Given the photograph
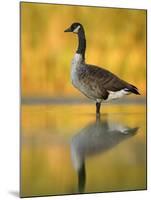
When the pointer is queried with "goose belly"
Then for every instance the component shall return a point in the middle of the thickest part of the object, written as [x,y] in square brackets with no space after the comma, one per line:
[78,83]
[76,80]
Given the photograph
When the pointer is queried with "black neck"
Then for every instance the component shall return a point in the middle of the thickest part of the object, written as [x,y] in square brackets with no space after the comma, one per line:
[82,43]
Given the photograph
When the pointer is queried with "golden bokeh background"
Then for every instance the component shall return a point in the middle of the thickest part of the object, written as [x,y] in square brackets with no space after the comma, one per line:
[116,40]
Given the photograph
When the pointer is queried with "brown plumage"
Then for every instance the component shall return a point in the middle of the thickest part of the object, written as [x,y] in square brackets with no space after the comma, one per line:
[99,81]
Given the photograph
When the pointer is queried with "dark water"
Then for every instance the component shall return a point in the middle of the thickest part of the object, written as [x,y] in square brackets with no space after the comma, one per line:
[66,149]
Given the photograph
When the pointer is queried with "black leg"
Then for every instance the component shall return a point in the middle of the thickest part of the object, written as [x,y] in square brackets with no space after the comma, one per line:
[98,108]
[81,178]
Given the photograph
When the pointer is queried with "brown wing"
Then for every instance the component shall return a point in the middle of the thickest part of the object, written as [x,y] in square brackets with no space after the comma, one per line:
[111,82]
[108,80]
[99,81]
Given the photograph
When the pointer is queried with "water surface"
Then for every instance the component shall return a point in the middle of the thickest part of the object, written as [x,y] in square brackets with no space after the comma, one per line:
[66,149]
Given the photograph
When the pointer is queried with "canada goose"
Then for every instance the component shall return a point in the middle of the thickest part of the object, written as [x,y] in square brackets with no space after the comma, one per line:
[96,138]
[95,82]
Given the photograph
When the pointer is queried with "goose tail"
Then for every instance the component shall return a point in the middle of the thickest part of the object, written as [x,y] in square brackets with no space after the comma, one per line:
[133,89]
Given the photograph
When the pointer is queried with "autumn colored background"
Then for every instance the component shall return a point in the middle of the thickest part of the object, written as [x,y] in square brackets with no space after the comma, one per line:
[116,40]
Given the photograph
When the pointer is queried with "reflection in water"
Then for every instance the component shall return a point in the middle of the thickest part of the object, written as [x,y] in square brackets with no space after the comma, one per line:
[96,137]
[46,136]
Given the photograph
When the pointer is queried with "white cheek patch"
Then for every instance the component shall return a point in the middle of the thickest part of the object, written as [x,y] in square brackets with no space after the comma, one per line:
[76,29]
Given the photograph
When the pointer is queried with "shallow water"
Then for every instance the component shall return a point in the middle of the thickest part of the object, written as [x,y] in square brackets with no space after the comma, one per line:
[66,149]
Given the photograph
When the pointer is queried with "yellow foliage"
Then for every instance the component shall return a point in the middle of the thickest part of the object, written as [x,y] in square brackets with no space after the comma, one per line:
[116,40]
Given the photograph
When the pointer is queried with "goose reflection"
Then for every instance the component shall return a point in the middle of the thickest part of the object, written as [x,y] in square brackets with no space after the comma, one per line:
[96,137]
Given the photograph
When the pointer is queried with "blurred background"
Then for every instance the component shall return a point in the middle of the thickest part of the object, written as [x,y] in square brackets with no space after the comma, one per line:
[116,40]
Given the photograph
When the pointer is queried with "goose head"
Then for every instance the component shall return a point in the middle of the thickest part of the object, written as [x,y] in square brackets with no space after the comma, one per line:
[75,28]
